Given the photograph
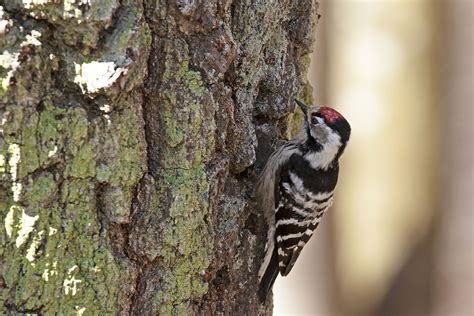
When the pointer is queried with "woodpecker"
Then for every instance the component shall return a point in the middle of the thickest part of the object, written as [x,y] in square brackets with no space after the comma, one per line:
[296,188]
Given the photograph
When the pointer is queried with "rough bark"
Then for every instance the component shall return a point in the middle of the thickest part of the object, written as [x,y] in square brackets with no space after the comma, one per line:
[128,150]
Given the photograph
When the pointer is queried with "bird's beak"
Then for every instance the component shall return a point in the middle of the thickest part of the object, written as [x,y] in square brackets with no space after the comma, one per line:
[303,107]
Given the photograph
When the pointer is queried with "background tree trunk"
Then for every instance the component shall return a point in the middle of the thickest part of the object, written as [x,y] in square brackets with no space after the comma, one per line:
[128,150]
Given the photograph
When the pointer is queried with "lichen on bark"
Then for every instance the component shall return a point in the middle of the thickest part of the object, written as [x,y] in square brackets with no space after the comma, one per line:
[66,151]
[130,137]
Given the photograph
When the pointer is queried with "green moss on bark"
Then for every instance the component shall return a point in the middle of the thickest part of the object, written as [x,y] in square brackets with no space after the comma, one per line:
[67,163]
[185,112]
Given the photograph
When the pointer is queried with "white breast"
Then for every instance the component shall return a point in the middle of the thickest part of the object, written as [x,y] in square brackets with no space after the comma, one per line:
[323,158]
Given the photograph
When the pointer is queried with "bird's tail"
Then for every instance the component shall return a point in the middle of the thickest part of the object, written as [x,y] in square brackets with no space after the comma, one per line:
[268,277]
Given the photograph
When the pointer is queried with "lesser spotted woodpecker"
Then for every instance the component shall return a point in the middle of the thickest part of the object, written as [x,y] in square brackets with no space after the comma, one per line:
[296,187]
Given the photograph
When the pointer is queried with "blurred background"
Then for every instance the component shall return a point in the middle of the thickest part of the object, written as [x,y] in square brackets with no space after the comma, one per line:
[398,240]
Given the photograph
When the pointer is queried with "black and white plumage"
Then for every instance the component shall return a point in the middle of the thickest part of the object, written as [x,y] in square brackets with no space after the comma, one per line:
[296,188]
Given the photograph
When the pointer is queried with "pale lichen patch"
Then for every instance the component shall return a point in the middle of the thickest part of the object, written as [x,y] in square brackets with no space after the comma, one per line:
[30,3]
[71,8]
[14,151]
[105,108]
[32,39]
[2,163]
[16,189]
[93,76]
[52,231]
[53,271]
[45,275]
[72,269]
[4,22]
[30,253]
[53,151]
[10,221]
[13,161]
[3,121]
[70,284]
[80,310]
[25,226]
[10,62]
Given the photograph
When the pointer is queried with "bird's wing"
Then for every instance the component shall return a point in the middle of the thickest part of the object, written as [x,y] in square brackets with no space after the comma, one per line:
[296,217]
[292,224]
[268,196]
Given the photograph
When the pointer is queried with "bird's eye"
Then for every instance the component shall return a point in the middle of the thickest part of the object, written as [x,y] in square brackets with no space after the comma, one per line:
[314,118]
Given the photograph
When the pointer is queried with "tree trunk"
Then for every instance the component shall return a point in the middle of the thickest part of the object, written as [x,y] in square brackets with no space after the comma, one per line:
[128,150]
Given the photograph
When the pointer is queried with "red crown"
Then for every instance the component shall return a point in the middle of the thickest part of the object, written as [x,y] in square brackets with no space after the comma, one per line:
[330,115]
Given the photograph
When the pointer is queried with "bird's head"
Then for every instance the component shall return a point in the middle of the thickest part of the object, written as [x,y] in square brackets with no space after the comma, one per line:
[325,126]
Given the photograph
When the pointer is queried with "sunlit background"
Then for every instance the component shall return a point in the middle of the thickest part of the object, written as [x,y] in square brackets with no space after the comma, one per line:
[398,240]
